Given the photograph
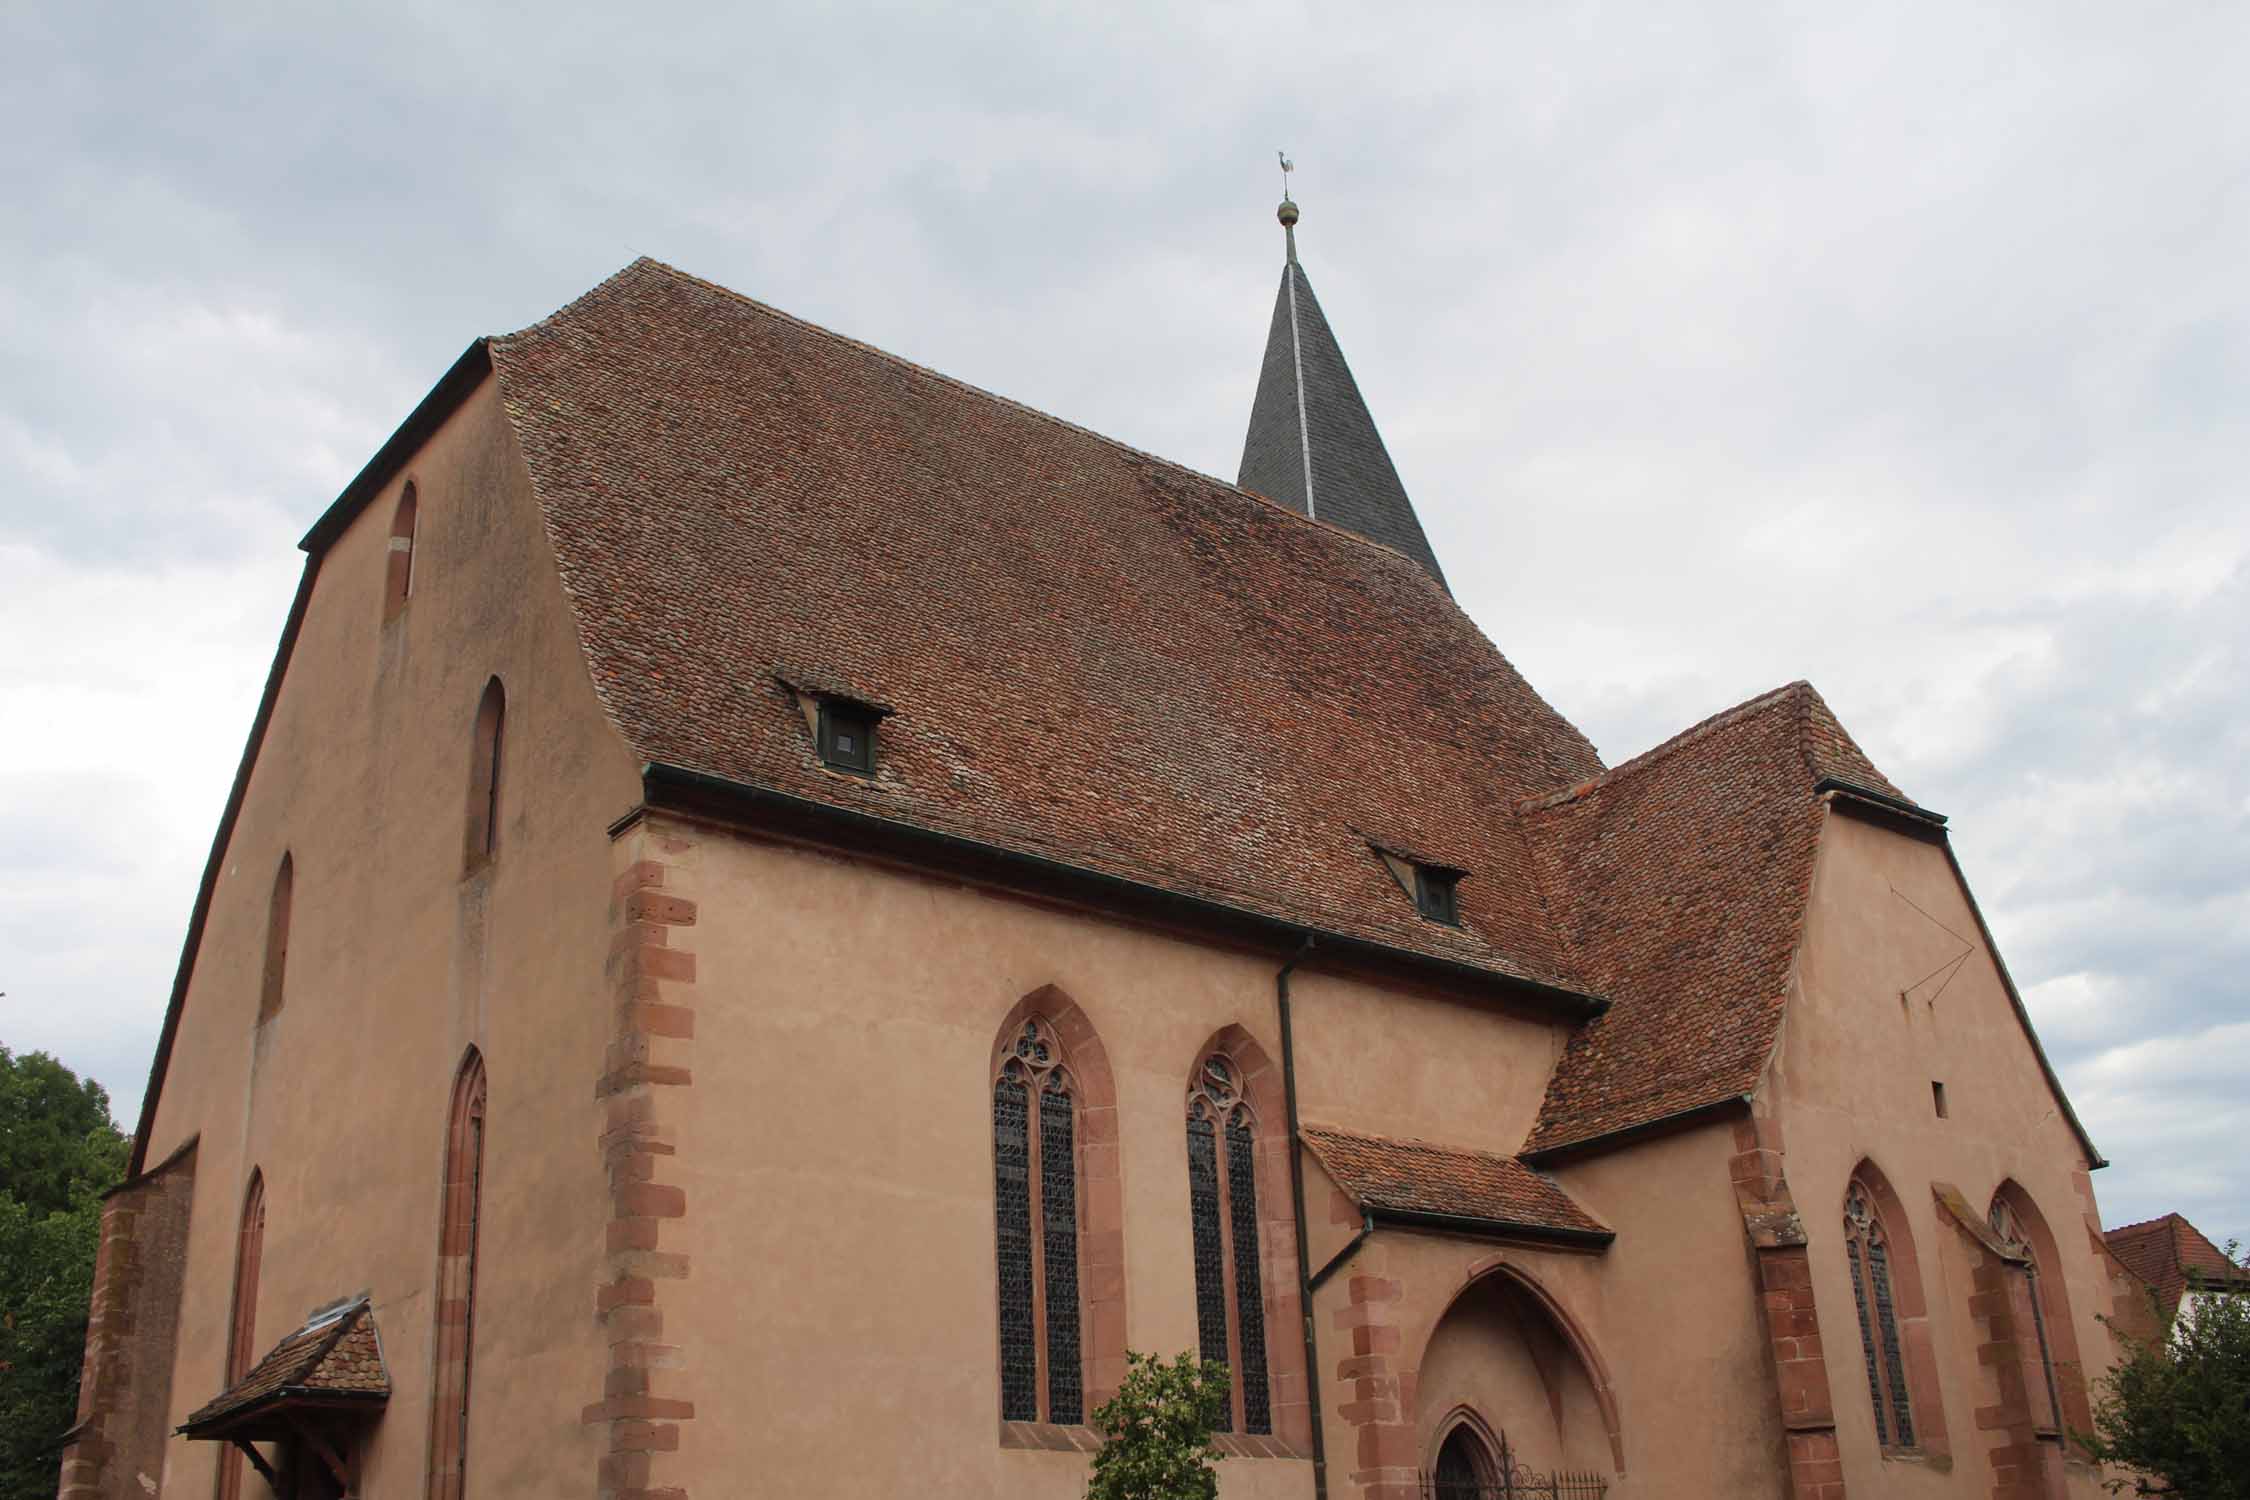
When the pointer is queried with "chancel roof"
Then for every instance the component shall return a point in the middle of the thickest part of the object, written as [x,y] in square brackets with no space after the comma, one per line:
[1680,879]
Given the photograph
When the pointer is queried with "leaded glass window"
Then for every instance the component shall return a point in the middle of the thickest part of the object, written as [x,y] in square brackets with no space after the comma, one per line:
[2009,1226]
[1230,1309]
[1867,1251]
[1035,1213]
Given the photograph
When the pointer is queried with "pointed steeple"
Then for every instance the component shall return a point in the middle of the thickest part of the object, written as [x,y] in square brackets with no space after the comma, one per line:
[1312,444]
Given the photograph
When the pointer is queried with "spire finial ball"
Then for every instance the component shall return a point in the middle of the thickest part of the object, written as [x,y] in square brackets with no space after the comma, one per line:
[1287,213]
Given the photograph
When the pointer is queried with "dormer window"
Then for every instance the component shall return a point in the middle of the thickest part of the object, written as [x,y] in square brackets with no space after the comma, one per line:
[1433,887]
[846,737]
[1436,895]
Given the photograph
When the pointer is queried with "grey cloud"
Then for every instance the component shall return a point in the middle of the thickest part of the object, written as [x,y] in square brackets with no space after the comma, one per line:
[1904,350]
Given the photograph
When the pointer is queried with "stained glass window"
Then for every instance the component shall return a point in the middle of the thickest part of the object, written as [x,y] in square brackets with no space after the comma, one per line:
[1011,1159]
[2009,1227]
[1230,1311]
[1035,1210]
[1867,1250]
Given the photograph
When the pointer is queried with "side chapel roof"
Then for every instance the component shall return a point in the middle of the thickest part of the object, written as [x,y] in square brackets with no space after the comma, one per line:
[1382,1175]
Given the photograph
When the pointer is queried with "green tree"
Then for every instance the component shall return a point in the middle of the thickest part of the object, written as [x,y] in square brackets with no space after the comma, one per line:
[58,1146]
[59,1151]
[2175,1412]
[1158,1431]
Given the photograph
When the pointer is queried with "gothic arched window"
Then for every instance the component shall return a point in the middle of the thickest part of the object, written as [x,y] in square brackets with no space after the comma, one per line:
[1868,1250]
[2008,1224]
[457,1283]
[242,1321]
[1035,1182]
[1230,1307]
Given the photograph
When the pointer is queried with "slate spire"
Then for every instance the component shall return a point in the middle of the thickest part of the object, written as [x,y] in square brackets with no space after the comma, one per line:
[1312,444]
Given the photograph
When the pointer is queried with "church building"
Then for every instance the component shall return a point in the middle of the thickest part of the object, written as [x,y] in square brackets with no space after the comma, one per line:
[782,912]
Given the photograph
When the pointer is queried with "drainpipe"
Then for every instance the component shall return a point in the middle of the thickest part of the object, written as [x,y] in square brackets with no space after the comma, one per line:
[1297,1203]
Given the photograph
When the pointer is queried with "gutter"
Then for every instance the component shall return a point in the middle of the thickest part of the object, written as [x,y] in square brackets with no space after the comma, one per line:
[678,789]
[1305,1284]
[1493,1229]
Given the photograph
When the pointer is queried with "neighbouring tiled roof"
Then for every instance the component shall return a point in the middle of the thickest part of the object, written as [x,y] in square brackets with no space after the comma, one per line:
[337,1354]
[1681,879]
[2166,1252]
[1093,656]
[1308,406]
[1419,1177]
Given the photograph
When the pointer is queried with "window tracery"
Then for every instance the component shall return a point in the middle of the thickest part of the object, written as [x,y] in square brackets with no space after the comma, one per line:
[1867,1249]
[1035,1176]
[2009,1226]
[1223,1211]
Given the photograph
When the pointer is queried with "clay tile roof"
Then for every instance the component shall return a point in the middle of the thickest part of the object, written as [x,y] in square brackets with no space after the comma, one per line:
[335,1354]
[1417,1177]
[1681,878]
[1094,656]
[2166,1252]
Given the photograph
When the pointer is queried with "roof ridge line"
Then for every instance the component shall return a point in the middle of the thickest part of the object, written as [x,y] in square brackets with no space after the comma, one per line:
[1725,718]
[957,383]
[2144,1223]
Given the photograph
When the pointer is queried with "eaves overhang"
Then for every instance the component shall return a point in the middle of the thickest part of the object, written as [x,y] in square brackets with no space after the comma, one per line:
[678,789]
[1474,1226]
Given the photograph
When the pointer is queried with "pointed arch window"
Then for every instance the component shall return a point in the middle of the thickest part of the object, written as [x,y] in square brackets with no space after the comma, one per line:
[2008,1224]
[1230,1312]
[1035,1104]
[242,1318]
[398,577]
[483,839]
[1867,1249]
[457,1283]
[271,985]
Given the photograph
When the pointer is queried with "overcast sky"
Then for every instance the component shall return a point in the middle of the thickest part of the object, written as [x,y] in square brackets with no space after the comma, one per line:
[1906,349]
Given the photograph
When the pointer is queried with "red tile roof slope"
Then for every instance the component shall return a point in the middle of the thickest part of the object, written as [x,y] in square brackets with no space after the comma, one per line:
[1095,656]
[1419,1177]
[1681,879]
[339,1355]
[2165,1252]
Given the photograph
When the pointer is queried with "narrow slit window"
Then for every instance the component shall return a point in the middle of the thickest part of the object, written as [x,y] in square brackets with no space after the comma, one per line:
[398,578]
[455,1309]
[272,988]
[242,1324]
[1937,1099]
[483,840]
